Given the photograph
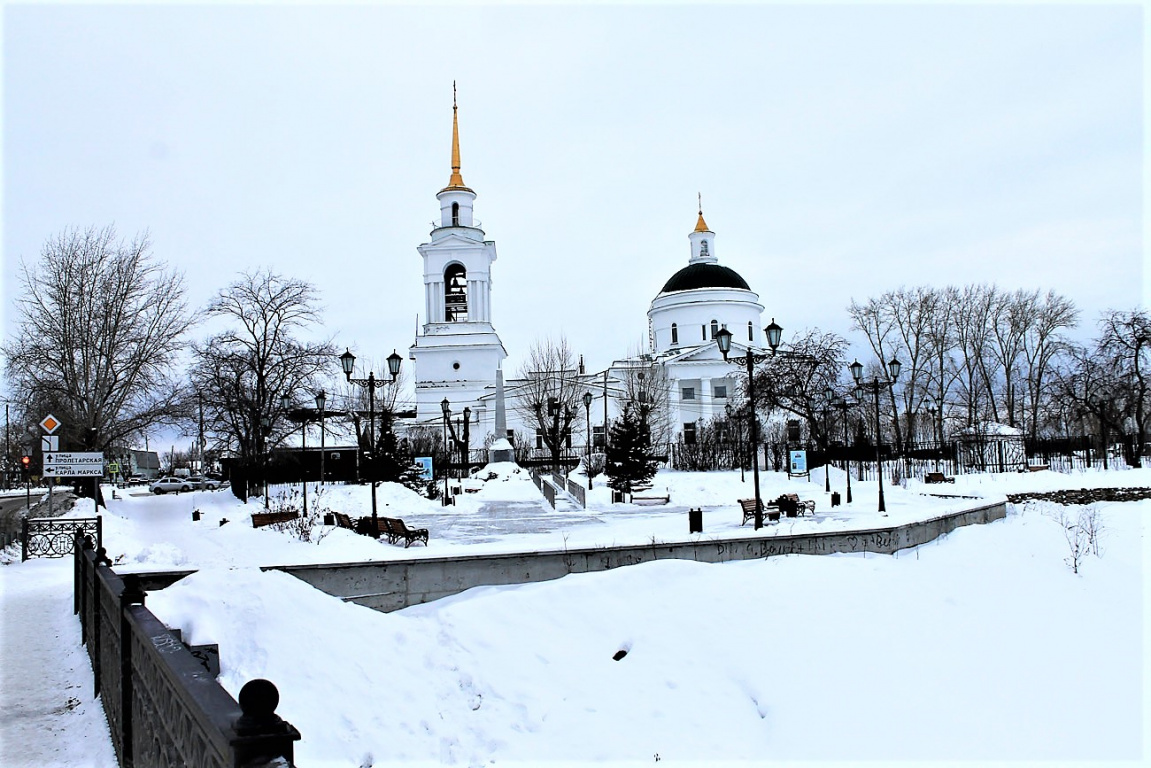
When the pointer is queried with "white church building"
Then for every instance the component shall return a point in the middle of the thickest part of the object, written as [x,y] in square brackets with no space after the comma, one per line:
[458,355]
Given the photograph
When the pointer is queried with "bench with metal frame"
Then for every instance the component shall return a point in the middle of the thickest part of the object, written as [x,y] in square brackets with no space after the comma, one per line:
[260,519]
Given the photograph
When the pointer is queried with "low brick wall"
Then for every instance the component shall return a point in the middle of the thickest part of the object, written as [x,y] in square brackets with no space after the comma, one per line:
[394,584]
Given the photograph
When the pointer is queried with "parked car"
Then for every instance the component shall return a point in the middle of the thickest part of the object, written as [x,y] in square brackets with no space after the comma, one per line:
[177,484]
[199,482]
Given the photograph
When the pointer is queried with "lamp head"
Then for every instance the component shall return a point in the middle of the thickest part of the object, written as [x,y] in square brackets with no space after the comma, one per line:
[347,362]
[723,339]
[394,361]
[587,398]
[446,407]
[893,368]
[285,401]
[321,400]
[774,332]
[856,369]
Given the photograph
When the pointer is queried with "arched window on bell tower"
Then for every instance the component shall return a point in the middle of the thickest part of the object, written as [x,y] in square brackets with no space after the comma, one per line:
[455,214]
[750,331]
[674,334]
[455,294]
[714,328]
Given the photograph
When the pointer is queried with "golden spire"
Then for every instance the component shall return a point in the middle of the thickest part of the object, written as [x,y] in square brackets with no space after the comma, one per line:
[456,181]
[701,225]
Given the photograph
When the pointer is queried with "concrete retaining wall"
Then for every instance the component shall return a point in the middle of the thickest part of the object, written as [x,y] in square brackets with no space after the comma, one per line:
[391,585]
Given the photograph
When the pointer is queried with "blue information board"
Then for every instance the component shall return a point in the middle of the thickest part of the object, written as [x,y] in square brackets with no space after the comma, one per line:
[426,463]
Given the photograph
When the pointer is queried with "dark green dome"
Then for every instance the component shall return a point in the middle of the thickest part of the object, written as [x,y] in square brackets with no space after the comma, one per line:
[704,276]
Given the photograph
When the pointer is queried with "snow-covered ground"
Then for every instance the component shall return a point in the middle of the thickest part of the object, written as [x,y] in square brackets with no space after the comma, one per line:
[982,645]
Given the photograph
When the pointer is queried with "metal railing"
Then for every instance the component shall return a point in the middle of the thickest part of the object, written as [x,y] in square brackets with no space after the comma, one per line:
[578,491]
[162,708]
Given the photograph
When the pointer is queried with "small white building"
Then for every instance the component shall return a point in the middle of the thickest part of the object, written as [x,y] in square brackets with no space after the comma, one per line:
[991,447]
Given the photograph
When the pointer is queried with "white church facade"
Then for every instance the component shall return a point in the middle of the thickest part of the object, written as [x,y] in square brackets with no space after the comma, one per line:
[458,356]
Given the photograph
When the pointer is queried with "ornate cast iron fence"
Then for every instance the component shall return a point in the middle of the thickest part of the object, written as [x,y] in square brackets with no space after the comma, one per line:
[53,536]
[162,708]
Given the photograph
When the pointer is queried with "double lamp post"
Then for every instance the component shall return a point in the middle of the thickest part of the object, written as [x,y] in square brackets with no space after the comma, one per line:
[723,340]
[348,362]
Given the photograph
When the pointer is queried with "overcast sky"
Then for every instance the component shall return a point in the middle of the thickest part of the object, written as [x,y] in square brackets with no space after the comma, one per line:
[841,151]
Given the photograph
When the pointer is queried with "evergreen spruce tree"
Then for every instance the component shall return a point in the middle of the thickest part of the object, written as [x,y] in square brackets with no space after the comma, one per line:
[389,463]
[629,464]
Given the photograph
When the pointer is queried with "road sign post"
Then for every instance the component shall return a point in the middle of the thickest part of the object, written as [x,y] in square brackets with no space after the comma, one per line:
[50,424]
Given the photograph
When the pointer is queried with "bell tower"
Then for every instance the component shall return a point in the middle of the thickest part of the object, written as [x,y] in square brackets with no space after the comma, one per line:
[458,352]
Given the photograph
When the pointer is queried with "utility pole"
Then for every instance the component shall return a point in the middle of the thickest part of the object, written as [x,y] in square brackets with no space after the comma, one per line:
[200,398]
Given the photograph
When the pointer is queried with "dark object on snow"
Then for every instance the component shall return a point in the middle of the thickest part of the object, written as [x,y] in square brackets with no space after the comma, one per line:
[619,654]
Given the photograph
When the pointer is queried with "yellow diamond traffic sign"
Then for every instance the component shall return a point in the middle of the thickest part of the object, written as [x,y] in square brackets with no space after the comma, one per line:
[50,424]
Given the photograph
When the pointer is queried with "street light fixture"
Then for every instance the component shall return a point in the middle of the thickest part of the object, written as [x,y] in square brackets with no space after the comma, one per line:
[587,398]
[828,394]
[321,401]
[723,340]
[285,401]
[842,405]
[875,386]
[446,407]
[466,448]
[266,425]
[348,362]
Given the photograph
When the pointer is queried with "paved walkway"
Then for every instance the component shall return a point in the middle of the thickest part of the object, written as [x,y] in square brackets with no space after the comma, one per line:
[501,518]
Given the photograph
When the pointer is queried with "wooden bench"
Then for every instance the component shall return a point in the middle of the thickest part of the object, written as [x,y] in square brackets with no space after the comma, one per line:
[343,521]
[793,506]
[260,519]
[771,510]
[396,530]
[1037,467]
[937,477]
[648,500]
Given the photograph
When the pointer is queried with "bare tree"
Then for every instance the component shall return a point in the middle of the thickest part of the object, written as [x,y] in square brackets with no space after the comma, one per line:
[550,392]
[796,379]
[644,384]
[1042,345]
[974,380]
[1110,381]
[242,372]
[877,320]
[101,323]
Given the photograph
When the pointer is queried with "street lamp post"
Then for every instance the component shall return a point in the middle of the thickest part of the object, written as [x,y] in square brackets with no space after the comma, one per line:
[587,398]
[842,405]
[466,449]
[265,424]
[875,386]
[348,362]
[723,340]
[321,401]
[828,394]
[285,402]
[446,407]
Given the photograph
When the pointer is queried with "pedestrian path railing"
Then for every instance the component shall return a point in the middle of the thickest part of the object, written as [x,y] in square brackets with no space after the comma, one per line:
[53,536]
[160,696]
[545,487]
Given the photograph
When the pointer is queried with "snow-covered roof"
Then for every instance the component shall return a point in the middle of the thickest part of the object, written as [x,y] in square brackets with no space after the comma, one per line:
[991,429]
